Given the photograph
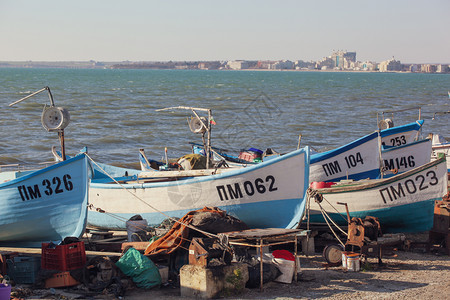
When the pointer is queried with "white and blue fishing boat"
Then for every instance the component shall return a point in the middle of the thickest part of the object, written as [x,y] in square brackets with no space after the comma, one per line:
[440,145]
[99,170]
[44,205]
[360,159]
[402,203]
[269,194]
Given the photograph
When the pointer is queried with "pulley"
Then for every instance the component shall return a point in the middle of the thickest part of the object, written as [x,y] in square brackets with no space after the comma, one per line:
[198,125]
[55,118]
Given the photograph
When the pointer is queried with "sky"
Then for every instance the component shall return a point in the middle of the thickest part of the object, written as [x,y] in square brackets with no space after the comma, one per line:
[412,31]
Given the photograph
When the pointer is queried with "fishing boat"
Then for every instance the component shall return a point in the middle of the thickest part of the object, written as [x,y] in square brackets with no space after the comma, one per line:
[402,203]
[360,159]
[399,159]
[440,145]
[99,170]
[269,194]
[44,204]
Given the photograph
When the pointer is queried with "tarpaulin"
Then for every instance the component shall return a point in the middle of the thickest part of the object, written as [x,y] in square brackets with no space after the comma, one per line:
[209,219]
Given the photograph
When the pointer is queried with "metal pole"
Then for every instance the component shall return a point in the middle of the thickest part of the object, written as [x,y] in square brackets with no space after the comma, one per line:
[295,261]
[61,140]
[299,140]
[50,96]
[31,95]
[380,156]
[261,277]
[209,140]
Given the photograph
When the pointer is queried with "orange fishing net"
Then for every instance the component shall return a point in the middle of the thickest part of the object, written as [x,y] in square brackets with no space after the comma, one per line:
[178,234]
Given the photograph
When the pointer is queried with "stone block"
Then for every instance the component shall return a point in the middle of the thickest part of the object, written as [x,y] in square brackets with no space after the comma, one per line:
[206,283]
[308,246]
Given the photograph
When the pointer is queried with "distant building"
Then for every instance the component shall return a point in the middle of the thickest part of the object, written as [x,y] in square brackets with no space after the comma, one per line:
[367,66]
[238,64]
[442,69]
[209,65]
[282,65]
[343,59]
[390,65]
[326,63]
[427,68]
[265,64]
[413,68]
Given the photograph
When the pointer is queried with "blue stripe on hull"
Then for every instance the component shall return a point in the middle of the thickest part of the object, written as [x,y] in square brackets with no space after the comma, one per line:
[384,133]
[334,152]
[276,214]
[398,129]
[413,217]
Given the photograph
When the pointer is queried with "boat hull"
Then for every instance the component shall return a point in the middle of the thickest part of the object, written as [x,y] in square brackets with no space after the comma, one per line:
[359,159]
[442,148]
[270,194]
[403,203]
[406,157]
[44,205]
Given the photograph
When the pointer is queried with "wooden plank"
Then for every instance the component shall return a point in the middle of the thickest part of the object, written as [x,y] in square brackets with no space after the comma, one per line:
[36,251]
[169,174]
[183,173]
[262,233]
[140,246]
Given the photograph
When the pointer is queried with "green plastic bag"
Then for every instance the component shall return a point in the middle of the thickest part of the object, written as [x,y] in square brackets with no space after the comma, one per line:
[140,268]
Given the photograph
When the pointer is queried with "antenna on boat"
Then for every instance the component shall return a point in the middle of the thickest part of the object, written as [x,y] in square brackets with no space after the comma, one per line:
[199,125]
[53,118]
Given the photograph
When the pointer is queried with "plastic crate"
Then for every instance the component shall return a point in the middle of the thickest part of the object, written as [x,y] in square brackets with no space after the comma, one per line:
[23,270]
[60,280]
[63,257]
[249,155]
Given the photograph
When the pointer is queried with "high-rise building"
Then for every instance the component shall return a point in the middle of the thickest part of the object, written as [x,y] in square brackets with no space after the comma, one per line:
[342,59]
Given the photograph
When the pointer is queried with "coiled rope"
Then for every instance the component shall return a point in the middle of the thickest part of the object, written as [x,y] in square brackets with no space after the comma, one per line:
[318,198]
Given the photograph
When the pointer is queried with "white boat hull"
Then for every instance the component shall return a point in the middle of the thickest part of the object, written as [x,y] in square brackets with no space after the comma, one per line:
[403,203]
[270,194]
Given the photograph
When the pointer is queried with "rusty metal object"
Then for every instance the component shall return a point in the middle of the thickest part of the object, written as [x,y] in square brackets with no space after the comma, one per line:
[440,233]
[208,252]
[441,222]
[355,233]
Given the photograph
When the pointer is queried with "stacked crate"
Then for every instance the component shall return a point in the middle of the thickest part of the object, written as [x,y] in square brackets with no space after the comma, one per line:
[23,269]
[62,258]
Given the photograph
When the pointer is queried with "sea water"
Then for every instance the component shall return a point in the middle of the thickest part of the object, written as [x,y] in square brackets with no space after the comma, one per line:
[114,112]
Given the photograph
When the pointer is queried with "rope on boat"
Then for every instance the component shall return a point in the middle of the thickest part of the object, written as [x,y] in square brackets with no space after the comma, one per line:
[314,194]
[117,217]
[152,207]
[334,233]
[319,198]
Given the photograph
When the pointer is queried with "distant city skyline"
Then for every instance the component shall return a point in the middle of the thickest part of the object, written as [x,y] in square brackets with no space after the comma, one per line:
[412,31]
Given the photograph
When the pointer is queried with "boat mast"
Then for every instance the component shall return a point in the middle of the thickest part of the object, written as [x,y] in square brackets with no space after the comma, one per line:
[207,126]
[59,117]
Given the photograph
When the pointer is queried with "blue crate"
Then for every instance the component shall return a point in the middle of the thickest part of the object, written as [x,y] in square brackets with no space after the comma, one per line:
[23,269]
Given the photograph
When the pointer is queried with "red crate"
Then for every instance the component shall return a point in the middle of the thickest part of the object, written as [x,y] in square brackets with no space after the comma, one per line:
[60,280]
[63,257]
